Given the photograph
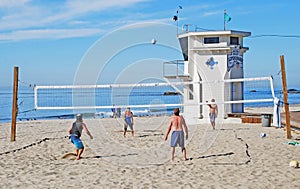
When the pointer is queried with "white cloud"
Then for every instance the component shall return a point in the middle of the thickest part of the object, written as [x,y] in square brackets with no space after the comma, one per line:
[48,34]
[22,15]
[12,3]
[79,6]
[212,13]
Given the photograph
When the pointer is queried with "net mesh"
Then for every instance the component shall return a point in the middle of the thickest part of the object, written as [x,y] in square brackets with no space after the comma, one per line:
[154,96]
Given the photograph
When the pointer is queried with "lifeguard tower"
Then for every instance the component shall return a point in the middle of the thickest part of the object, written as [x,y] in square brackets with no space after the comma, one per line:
[210,57]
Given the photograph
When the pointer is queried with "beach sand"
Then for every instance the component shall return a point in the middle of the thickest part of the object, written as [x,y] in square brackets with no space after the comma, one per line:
[232,156]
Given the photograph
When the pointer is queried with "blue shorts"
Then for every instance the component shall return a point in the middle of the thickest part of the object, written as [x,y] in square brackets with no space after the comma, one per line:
[77,142]
[212,117]
[177,138]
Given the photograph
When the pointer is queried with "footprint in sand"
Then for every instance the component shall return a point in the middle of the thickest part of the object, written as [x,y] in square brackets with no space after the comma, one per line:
[70,156]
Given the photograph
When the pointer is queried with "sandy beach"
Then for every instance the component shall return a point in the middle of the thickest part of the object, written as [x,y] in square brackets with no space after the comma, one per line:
[232,156]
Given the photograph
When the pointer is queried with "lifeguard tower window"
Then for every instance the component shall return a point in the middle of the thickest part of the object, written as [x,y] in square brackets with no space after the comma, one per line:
[184,47]
[211,40]
[191,91]
[234,41]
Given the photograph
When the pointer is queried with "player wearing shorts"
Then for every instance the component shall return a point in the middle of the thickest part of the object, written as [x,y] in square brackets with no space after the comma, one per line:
[213,112]
[75,132]
[179,128]
[128,121]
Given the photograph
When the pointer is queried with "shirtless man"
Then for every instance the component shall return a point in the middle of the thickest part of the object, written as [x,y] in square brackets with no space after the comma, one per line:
[178,127]
[213,113]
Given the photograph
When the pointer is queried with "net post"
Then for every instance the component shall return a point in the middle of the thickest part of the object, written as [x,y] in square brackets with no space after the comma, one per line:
[14,105]
[35,97]
[272,86]
[285,98]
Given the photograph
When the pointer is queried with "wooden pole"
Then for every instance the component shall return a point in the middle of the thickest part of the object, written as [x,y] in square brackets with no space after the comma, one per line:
[285,98]
[14,105]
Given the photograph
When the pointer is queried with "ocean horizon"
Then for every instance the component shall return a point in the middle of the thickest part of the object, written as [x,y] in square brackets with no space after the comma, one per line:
[27,112]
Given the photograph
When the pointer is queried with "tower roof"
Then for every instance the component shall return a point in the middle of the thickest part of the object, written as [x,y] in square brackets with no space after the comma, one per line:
[215,33]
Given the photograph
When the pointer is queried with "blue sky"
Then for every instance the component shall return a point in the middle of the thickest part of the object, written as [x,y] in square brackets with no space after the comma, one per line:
[48,40]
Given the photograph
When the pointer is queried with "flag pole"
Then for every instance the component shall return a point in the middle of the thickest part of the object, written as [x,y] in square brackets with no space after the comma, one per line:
[177,21]
[224,19]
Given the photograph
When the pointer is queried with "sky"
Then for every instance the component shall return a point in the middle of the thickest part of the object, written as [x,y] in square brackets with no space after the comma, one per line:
[50,41]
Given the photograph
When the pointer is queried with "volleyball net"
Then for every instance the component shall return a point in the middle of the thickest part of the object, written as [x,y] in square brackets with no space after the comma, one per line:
[154,96]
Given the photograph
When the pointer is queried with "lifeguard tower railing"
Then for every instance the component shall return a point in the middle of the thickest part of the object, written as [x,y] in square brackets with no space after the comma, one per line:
[175,70]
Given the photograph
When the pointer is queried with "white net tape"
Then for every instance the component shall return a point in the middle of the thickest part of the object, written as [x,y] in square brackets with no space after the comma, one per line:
[150,95]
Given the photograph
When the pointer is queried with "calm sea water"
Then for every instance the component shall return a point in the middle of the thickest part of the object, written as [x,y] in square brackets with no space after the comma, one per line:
[145,96]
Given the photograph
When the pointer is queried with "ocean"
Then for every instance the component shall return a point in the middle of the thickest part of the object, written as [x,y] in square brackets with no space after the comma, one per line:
[148,96]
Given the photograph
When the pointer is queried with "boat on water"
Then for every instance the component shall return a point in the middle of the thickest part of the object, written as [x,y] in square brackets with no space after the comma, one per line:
[171,93]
